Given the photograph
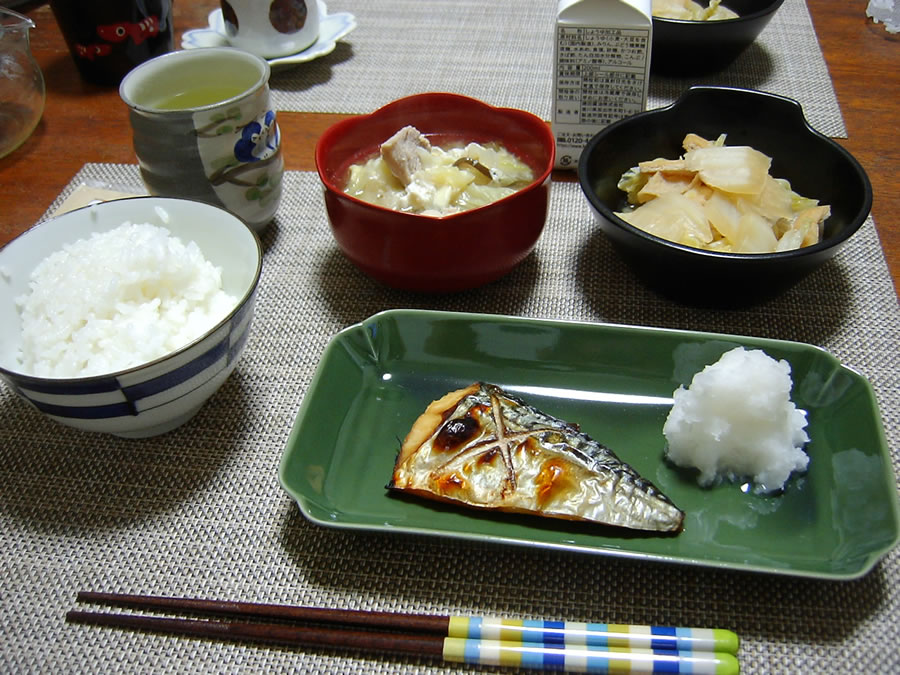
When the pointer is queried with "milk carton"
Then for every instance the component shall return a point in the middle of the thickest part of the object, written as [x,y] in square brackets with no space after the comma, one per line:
[601,69]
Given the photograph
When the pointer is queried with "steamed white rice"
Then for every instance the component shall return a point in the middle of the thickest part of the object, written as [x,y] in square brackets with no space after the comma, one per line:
[736,421]
[116,300]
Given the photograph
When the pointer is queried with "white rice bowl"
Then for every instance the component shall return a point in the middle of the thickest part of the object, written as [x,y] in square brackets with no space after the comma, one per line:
[115,300]
[736,421]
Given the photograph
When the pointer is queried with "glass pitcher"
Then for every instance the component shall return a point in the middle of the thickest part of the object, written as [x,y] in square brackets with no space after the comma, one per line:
[22,92]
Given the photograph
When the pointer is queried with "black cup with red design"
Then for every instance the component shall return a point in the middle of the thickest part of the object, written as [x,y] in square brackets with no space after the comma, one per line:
[107,38]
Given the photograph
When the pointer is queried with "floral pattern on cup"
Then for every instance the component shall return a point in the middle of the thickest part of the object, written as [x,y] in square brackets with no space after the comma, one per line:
[249,161]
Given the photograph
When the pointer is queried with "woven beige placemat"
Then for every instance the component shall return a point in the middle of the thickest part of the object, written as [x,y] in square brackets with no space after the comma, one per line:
[199,511]
[502,52]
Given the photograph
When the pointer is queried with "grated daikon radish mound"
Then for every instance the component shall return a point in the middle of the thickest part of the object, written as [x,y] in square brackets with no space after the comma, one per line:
[736,421]
[116,300]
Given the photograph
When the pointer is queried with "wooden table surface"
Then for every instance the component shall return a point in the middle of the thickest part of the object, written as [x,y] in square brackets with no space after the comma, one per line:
[88,123]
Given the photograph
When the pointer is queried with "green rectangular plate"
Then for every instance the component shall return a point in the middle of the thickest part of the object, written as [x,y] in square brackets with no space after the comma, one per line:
[616,382]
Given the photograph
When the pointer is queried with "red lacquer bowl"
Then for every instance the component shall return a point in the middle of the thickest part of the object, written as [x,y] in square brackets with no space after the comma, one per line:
[425,253]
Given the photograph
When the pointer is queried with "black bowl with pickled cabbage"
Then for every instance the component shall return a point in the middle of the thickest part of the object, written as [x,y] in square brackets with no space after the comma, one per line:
[683,47]
[815,166]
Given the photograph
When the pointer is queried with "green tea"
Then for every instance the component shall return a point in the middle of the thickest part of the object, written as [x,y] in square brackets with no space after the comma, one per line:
[197,97]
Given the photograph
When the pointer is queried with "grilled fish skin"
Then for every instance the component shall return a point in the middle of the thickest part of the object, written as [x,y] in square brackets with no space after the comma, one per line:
[485,448]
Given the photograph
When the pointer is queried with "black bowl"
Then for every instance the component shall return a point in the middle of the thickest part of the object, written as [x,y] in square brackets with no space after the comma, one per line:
[816,166]
[697,47]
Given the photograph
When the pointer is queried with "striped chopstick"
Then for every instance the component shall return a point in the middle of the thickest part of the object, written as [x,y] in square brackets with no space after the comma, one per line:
[508,630]
[577,634]
[573,646]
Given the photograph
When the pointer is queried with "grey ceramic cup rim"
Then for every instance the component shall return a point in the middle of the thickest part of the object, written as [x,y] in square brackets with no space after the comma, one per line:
[129,89]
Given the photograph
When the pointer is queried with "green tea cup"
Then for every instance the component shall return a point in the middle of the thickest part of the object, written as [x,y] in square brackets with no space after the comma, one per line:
[204,129]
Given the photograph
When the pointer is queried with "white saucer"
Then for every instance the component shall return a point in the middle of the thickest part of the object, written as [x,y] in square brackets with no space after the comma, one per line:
[332,27]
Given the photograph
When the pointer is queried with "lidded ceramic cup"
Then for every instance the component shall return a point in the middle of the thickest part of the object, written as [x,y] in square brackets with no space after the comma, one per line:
[204,129]
[271,28]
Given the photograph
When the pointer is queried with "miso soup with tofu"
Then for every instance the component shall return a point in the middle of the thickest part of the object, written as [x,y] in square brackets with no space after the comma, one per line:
[412,175]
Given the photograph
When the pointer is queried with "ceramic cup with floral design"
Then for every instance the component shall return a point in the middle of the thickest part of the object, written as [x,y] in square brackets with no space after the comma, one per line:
[204,129]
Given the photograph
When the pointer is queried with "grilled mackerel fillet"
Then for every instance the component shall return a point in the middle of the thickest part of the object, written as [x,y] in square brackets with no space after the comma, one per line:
[485,448]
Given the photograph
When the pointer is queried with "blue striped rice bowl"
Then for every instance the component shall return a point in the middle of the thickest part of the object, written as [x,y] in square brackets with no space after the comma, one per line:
[162,394]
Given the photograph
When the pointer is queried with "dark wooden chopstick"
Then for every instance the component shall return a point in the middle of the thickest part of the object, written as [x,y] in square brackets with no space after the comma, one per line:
[418,623]
[596,648]
[551,632]
[270,633]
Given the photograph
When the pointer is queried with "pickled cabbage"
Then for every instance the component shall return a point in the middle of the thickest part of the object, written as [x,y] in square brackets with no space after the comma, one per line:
[440,181]
[720,198]
[687,10]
